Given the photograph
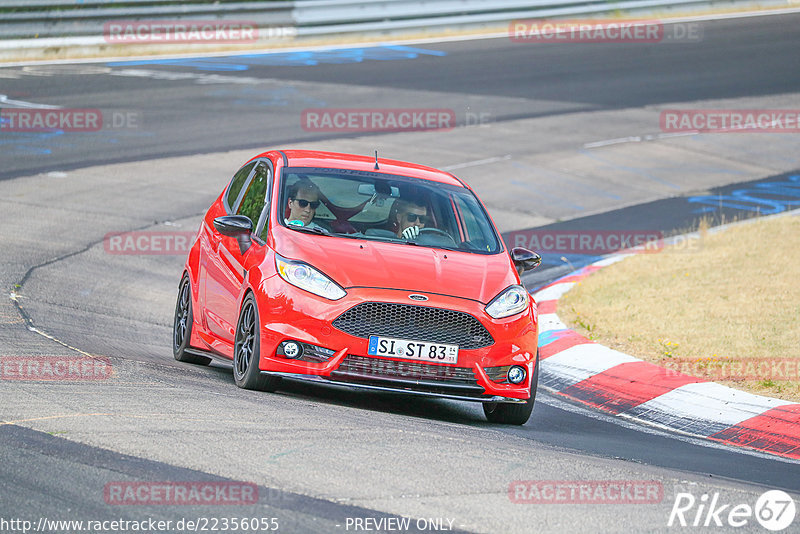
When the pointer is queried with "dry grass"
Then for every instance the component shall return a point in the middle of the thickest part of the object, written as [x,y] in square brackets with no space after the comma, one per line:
[734,299]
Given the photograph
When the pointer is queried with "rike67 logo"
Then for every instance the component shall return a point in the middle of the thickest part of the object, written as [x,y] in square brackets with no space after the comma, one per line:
[774,510]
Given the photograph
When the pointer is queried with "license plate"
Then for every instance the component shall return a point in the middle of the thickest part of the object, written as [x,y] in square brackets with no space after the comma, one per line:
[412,350]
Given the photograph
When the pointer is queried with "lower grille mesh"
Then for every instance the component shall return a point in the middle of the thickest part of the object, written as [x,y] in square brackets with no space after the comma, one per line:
[412,371]
[419,323]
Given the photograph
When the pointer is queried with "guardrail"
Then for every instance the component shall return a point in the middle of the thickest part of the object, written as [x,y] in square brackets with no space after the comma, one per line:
[68,18]
[320,17]
[32,19]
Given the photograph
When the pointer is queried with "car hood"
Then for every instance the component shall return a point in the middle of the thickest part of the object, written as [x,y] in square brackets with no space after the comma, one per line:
[365,263]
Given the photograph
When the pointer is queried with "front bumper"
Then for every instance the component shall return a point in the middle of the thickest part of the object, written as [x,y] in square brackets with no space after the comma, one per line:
[398,388]
[514,343]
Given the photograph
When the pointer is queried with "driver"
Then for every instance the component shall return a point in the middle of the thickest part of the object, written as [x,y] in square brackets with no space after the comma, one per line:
[303,203]
[411,216]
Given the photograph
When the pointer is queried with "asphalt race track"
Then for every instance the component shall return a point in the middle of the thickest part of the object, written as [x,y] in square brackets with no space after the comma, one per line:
[552,136]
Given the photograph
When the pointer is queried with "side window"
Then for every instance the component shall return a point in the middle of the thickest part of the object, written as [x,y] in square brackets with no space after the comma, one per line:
[236,185]
[255,198]
[479,234]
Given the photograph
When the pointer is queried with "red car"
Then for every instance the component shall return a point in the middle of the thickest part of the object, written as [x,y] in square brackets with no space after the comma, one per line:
[359,271]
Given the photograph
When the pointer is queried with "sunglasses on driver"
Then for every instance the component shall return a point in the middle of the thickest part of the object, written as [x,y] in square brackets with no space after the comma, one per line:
[305,203]
[412,218]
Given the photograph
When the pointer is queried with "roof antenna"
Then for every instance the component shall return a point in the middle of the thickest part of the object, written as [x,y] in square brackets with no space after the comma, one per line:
[376,161]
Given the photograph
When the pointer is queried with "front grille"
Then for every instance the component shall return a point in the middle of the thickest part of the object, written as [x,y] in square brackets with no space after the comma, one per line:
[418,323]
[412,371]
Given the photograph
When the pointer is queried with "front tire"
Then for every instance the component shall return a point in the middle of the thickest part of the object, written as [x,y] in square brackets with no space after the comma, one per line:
[182,325]
[513,414]
[247,348]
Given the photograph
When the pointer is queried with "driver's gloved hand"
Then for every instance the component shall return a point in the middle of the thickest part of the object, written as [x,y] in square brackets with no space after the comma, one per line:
[411,232]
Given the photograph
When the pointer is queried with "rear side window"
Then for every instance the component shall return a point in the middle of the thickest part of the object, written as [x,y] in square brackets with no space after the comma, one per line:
[237,183]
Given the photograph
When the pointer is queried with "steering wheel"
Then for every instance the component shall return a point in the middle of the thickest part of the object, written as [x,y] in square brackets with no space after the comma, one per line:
[434,236]
[434,231]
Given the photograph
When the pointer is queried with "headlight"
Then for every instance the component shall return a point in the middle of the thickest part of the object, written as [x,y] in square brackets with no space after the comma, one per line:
[306,277]
[511,301]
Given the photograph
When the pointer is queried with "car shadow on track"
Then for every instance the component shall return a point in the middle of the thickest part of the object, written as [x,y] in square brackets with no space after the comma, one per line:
[396,403]
[443,410]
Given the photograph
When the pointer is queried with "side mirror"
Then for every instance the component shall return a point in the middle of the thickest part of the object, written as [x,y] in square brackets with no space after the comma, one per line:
[237,226]
[524,259]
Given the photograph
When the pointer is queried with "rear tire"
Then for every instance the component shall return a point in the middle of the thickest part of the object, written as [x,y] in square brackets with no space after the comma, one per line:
[247,349]
[517,413]
[182,326]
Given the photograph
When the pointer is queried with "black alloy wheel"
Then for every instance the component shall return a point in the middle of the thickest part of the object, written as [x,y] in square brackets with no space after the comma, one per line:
[246,351]
[182,326]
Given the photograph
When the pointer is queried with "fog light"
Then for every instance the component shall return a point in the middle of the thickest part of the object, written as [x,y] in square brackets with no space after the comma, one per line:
[292,349]
[516,374]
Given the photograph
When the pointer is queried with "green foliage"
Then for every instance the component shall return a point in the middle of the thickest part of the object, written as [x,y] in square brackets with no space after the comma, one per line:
[253,201]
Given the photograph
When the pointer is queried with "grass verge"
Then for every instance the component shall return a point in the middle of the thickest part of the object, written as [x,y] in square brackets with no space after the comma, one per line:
[728,311]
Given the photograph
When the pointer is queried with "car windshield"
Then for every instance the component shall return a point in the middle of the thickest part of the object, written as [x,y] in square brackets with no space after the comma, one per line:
[385,207]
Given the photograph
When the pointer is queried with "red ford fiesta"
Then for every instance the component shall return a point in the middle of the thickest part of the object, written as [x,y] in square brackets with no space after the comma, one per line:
[363,272]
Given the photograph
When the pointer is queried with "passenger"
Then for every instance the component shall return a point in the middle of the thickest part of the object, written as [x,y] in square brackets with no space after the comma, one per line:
[410,217]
